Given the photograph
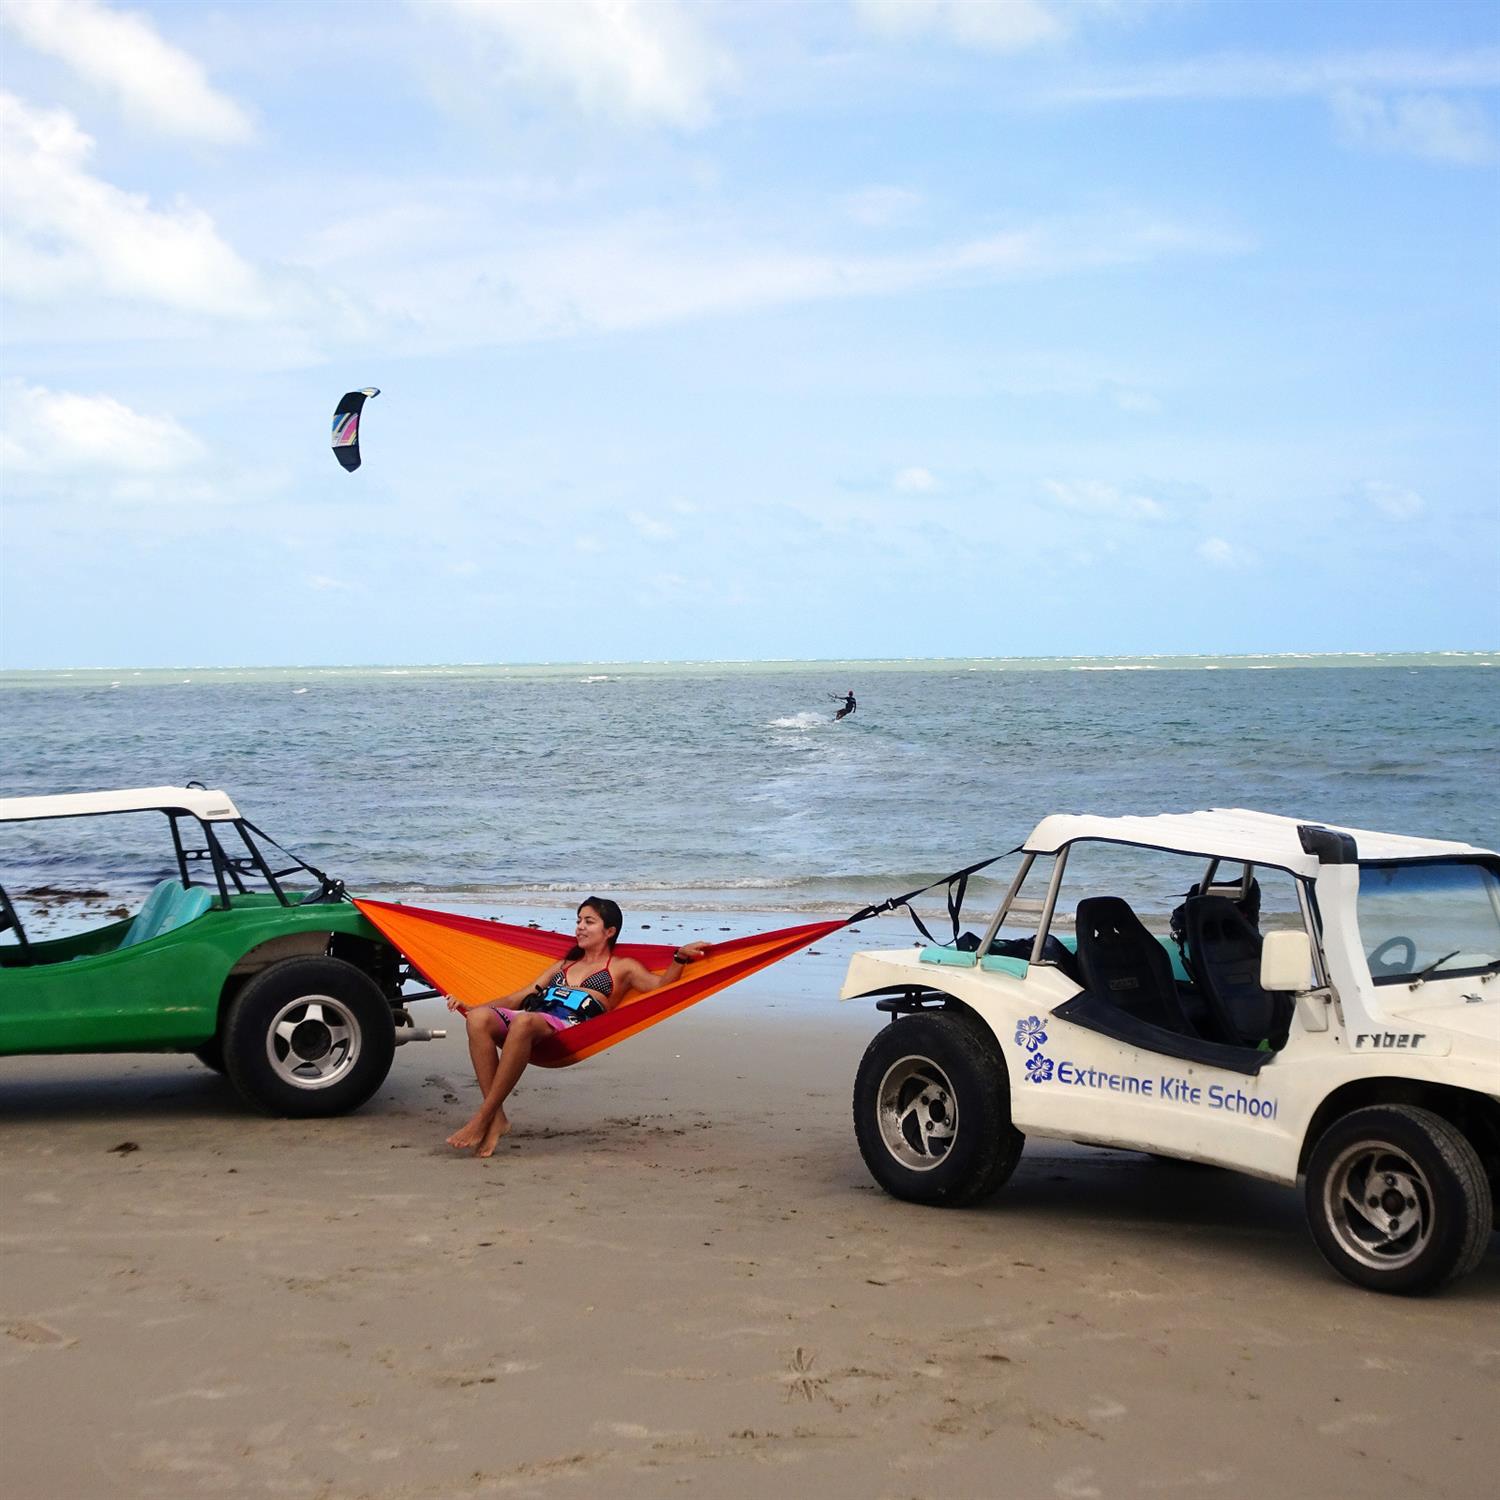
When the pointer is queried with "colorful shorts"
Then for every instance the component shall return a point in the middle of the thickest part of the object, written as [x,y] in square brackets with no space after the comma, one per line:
[507,1015]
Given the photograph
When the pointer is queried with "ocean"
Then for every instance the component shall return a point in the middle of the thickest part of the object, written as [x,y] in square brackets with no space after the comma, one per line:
[711,786]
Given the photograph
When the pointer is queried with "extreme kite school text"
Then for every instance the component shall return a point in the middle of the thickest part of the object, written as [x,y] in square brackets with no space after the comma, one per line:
[1170,1090]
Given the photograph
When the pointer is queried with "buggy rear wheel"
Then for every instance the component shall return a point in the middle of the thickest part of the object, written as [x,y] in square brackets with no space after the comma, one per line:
[932,1111]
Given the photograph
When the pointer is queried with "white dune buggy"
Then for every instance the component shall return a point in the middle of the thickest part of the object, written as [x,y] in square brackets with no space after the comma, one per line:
[1350,1036]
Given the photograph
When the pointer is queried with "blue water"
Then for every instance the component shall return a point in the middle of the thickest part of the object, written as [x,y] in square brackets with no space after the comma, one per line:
[721,786]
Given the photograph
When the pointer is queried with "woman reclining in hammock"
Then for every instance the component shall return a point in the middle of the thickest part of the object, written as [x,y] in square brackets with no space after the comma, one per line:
[589,981]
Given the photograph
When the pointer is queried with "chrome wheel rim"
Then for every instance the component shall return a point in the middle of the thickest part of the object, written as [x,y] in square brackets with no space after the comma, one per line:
[917,1113]
[1378,1203]
[313,1041]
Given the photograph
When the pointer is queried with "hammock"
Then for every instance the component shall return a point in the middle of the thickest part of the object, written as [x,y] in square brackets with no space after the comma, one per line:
[477,961]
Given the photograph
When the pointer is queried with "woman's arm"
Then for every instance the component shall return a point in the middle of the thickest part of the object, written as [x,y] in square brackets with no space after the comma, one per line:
[638,977]
[512,1000]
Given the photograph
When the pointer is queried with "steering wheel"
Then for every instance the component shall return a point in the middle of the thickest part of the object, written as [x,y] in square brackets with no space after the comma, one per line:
[1381,965]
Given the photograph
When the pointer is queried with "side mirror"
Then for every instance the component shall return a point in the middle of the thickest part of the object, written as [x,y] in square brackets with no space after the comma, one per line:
[1286,962]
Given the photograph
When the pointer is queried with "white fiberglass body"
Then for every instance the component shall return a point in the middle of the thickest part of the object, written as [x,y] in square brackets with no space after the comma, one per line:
[1368,990]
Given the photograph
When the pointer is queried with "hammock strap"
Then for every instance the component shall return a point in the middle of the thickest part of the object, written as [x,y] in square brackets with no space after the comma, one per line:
[957,884]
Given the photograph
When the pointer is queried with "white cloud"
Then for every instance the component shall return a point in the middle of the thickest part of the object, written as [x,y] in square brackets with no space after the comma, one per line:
[644,59]
[122,53]
[1393,502]
[650,527]
[1259,76]
[1424,125]
[1218,553]
[326,584]
[1091,498]
[880,207]
[1135,401]
[992,25]
[55,433]
[915,481]
[649,270]
[69,232]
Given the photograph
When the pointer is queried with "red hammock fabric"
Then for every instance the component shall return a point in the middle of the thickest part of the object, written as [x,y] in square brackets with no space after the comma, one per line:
[479,961]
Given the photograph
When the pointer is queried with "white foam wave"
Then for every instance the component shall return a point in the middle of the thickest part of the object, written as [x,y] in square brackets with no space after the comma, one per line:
[803,720]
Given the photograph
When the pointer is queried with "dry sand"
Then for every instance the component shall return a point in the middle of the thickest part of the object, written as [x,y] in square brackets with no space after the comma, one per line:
[677,1278]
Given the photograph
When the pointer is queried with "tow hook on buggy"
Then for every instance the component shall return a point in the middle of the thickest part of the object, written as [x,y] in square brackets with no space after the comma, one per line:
[408,1031]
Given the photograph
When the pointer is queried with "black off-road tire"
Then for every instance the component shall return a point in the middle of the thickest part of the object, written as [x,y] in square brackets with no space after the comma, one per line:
[1398,1200]
[309,1037]
[211,1055]
[932,1111]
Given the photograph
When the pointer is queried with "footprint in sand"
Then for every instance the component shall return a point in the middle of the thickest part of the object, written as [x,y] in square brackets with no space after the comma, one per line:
[42,1335]
[449,1088]
[1076,1485]
[799,1380]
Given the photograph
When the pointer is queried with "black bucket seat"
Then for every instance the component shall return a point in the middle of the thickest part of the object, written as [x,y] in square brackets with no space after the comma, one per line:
[1121,961]
[1223,953]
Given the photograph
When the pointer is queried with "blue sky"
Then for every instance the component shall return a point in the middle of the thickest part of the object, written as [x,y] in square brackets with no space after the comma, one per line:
[883,328]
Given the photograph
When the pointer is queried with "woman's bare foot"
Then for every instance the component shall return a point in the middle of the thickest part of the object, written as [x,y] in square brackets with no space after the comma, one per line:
[469,1134]
[499,1126]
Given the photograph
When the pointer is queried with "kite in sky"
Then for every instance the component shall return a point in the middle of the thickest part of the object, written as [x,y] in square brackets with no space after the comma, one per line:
[346,426]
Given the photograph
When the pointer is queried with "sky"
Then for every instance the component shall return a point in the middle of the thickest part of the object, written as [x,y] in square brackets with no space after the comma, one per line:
[870,328]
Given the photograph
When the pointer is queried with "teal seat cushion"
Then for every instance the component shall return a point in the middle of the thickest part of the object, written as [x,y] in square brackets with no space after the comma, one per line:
[169,905]
[953,958]
[187,906]
[147,918]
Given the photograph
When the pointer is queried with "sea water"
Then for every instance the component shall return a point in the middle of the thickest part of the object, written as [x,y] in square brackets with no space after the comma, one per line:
[714,786]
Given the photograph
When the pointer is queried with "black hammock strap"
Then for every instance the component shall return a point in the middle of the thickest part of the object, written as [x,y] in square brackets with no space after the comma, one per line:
[329,889]
[957,884]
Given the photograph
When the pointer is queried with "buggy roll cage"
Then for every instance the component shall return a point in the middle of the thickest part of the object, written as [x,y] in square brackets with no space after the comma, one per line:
[228,871]
[1306,898]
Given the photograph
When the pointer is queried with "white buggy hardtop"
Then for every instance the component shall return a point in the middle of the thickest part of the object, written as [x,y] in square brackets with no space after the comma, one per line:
[209,806]
[1233,833]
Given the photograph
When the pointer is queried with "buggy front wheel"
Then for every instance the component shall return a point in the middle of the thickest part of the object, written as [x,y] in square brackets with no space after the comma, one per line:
[932,1111]
[1397,1199]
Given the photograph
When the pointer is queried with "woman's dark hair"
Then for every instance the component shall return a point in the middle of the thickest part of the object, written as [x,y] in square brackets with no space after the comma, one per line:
[609,913]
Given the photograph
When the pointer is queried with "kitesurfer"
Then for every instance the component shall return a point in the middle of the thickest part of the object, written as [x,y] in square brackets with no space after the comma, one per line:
[848,708]
[587,982]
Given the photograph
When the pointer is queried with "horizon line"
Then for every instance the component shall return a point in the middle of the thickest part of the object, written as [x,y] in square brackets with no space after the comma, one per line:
[752,661]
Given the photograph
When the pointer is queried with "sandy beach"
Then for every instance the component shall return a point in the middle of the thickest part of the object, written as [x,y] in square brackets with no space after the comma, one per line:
[677,1277]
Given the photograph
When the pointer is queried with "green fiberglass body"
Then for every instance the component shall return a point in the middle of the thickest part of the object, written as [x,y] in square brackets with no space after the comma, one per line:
[245,956]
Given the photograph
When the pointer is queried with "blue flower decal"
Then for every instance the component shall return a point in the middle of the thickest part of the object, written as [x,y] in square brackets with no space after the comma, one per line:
[1030,1033]
[1039,1069]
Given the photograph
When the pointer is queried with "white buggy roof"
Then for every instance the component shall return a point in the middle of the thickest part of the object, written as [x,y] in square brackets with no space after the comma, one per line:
[1232,833]
[211,807]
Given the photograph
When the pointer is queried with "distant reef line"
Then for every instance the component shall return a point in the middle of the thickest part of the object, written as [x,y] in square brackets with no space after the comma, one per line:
[597,672]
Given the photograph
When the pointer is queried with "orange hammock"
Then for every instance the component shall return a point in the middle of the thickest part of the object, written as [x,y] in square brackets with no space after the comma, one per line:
[478,961]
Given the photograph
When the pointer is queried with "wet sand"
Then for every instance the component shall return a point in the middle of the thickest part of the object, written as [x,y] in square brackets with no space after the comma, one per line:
[676,1277]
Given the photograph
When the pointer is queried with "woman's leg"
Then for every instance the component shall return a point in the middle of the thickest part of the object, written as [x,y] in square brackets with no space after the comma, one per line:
[524,1033]
[486,1032]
